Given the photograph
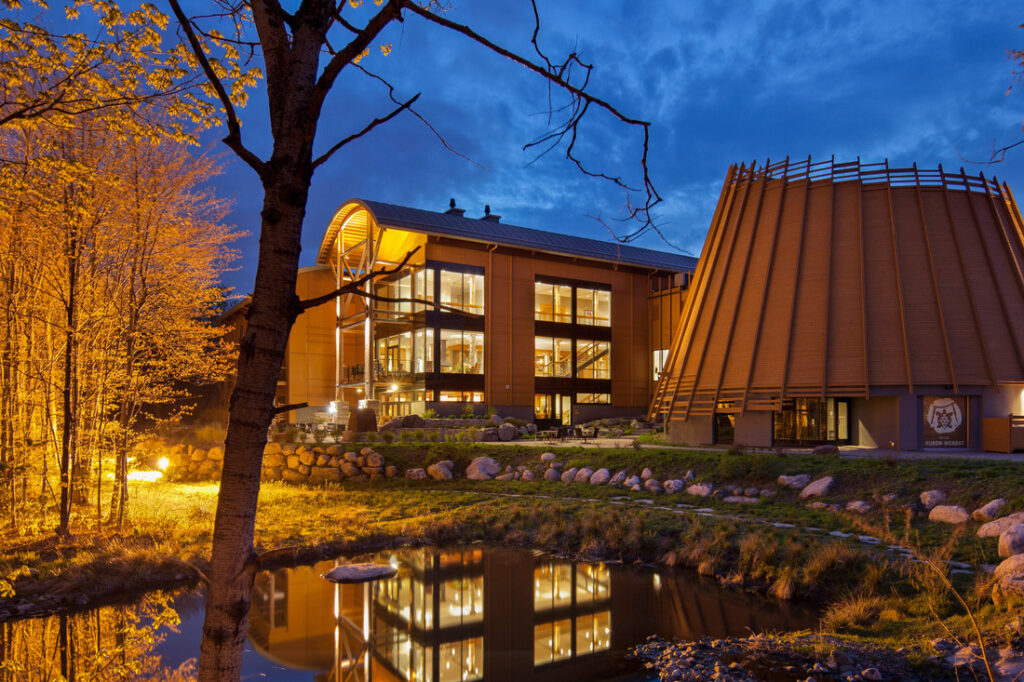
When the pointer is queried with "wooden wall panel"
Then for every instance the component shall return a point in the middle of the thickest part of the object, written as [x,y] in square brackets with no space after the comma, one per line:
[846,348]
[886,362]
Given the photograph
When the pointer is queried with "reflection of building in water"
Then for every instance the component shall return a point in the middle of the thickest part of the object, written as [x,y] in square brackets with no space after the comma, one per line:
[499,615]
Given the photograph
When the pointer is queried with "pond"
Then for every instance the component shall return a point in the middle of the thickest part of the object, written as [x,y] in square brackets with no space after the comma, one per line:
[453,615]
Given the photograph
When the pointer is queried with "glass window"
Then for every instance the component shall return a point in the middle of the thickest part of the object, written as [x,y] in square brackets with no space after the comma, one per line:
[542,406]
[424,282]
[461,661]
[423,351]
[592,583]
[594,398]
[543,301]
[593,633]
[552,585]
[659,362]
[462,352]
[543,356]
[552,641]
[602,308]
[585,306]
[461,601]
[451,289]
[403,290]
[563,303]
[562,357]
[473,293]
[593,359]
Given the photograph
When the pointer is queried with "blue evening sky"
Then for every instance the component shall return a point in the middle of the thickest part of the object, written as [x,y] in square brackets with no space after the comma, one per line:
[722,82]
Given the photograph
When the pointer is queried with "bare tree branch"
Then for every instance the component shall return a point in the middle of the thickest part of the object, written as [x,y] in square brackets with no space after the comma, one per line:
[366,129]
[234,137]
[289,408]
[353,286]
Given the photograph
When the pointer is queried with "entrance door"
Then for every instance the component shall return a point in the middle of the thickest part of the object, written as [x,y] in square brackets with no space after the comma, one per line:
[551,410]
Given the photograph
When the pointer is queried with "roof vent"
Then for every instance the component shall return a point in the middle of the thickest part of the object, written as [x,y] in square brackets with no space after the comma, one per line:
[452,210]
[490,216]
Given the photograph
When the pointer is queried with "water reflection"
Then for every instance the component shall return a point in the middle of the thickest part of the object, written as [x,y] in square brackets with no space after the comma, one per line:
[447,616]
[464,615]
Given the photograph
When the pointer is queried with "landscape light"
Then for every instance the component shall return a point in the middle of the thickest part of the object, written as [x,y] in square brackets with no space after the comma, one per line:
[163,463]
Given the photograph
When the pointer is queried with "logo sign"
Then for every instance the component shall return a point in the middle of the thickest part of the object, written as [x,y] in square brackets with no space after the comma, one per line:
[945,422]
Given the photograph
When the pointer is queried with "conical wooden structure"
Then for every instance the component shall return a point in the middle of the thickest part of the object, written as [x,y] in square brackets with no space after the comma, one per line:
[849,280]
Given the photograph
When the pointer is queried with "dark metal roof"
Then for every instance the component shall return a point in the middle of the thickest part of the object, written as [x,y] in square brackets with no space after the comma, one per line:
[494,232]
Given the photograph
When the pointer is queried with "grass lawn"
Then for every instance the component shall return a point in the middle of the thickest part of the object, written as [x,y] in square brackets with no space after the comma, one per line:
[873,596]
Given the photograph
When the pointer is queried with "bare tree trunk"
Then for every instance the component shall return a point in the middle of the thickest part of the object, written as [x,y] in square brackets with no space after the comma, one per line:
[252,408]
[68,431]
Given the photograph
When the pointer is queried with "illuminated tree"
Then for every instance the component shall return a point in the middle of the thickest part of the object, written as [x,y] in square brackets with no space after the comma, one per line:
[303,53]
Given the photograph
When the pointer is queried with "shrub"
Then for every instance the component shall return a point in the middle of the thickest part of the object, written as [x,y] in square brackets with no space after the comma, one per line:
[429,413]
[371,436]
[387,436]
[319,434]
[491,411]
[291,434]
[467,411]
[302,436]
[417,435]
[434,436]
[852,612]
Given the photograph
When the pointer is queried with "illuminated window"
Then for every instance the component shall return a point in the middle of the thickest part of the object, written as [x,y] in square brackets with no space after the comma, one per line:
[660,356]
[593,359]
[461,661]
[552,585]
[394,354]
[592,583]
[461,396]
[462,352]
[593,307]
[423,350]
[593,398]
[552,641]
[552,357]
[424,287]
[593,633]
[463,291]
[552,302]
[542,406]
[461,601]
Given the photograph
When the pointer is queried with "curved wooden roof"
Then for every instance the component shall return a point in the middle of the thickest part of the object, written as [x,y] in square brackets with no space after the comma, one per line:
[825,279]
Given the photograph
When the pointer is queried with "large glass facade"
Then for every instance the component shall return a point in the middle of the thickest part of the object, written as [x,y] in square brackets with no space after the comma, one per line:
[593,307]
[552,357]
[553,302]
[462,290]
[584,591]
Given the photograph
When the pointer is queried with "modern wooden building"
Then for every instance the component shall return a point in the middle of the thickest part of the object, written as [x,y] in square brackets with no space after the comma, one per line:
[851,303]
[539,325]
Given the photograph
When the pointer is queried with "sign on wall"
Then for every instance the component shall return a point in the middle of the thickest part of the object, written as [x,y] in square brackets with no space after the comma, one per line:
[945,421]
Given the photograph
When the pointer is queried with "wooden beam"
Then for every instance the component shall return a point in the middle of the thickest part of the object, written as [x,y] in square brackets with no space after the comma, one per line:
[863,291]
[796,286]
[935,281]
[828,272]
[899,278]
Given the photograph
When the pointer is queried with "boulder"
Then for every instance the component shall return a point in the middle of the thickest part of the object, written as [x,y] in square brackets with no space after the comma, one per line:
[366,451]
[689,475]
[859,506]
[351,457]
[373,472]
[654,486]
[288,449]
[439,472]
[320,474]
[374,460]
[741,499]
[949,513]
[506,432]
[482,469]
[447,463]
[931,498]
[272,474]
[547,456]
[569,475]
[272,449]
[994,529]
[527,475]
[216,454]
[392,424]
[1011,542]
[767,492]
[797,482]
[631,481]
[292,461]
[552,475]
[198,455]
[273,460]
[417,474]
[349,469]
[646,474]
[489,435]
[306,457]
[823,486]
[391,471]
[304,469]
[826,449]
[674,485]
[413,421]
[1009,567]
[505,477]
[335,450]
[600,477]
[496,420]
[290,476]
[583,475]
[991,511]
[555,465]
[323,460]
[752,492]
[617,479]
[700,489]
